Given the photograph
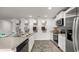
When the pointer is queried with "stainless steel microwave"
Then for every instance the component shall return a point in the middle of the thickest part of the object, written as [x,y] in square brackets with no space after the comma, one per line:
[60,22]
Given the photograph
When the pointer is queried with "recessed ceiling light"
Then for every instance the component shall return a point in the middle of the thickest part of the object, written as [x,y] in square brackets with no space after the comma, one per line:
[30,16]
[49,8]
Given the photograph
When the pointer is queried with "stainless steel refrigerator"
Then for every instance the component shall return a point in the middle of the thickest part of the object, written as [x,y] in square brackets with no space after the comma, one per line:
[76,34]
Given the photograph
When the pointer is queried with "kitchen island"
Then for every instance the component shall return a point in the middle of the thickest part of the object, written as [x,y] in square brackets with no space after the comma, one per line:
[11,43]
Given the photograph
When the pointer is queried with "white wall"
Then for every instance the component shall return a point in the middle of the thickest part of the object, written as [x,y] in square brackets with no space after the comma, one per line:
[14,21]
[5,26]
[53,24]
[42,35]
[31,25]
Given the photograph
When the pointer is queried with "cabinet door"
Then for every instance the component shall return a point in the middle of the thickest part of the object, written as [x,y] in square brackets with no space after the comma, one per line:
[31,42]
[61,41]
[51,36]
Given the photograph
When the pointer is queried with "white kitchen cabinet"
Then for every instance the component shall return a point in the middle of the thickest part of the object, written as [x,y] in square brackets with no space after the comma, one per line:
[62,41]
[6,43]
[31,42]
[51,36]
[10,43]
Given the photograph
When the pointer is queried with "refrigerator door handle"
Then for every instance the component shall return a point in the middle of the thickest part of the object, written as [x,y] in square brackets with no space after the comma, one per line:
[74,34]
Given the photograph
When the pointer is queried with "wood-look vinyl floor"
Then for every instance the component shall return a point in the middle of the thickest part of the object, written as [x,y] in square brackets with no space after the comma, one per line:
[44,46]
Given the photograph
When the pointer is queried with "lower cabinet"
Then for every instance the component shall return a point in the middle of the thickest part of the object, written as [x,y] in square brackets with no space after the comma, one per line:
[31,42]
[62,41]
[26,46]
[51,36]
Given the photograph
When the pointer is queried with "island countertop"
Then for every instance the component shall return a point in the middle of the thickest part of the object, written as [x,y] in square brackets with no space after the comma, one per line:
[13,42]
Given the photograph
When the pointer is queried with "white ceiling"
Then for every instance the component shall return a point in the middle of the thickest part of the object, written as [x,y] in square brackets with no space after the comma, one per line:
[17,12]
